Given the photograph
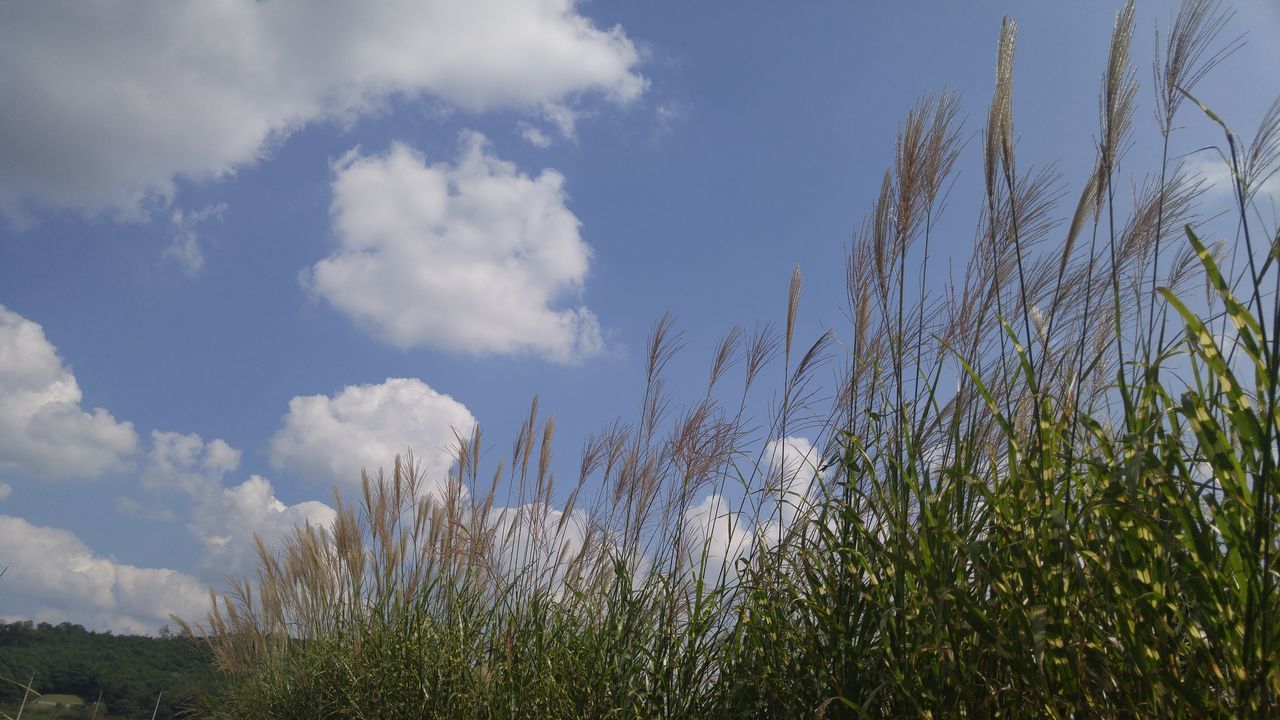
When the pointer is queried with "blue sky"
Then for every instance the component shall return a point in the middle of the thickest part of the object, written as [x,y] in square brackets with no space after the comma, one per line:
[247,248]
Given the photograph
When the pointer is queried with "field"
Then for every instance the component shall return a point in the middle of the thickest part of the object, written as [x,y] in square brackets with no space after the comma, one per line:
[53,707]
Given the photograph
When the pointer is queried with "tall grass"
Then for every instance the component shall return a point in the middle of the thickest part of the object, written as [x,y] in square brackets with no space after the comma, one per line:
[1085,526]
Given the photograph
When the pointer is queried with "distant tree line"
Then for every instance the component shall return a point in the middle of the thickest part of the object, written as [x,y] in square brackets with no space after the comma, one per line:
[129,670]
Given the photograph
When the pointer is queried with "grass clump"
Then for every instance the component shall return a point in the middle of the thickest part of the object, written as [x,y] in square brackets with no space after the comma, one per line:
[1085,526]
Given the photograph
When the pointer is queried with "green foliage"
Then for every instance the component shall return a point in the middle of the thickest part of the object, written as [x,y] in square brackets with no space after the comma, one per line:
[129,671]
[1085,527]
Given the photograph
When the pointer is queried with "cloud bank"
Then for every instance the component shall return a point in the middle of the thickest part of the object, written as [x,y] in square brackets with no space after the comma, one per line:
[52,575]
[160,90]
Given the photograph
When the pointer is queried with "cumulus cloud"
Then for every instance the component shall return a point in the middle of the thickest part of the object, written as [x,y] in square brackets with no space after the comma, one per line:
[43,429]
[330,439]
[719,535]
[792,465]
[107,104]
[227,520]
[186,463]
[224,519]
[53,575]
[472,257]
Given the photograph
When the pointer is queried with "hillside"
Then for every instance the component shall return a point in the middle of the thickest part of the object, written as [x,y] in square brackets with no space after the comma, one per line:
[129,671]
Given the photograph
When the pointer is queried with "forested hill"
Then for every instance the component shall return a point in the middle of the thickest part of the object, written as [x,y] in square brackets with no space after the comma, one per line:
[130,671]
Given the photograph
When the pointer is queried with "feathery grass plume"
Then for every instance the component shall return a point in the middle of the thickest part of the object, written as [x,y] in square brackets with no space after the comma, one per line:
[998,135]
[1087,207]
[761,350]
[1115,110]
[793,306]
[1262,161]
[1190,53]
[664,343]
[1119,92]
[882,222]
[726,354]
[998,129]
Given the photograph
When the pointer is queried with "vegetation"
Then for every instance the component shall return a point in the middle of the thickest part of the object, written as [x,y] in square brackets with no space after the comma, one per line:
[1085,526]
[69,665]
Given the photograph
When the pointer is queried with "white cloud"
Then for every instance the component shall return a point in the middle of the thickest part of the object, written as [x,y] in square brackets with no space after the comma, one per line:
[5,490]
[135,508]
[187,463]
[564,118]
[53,574]
[533,135]
[184,247]
[330,439]
[225,521]
[43,429]
[1218,181]
[470,257]
[107,104]
[792,464]
[718,537]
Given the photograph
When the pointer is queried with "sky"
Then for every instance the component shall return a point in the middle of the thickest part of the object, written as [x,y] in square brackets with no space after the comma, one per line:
[248,248]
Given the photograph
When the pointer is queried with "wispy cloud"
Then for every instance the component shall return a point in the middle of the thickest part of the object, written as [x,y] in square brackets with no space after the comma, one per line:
[533,135]
[1218,182]
[184,246]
